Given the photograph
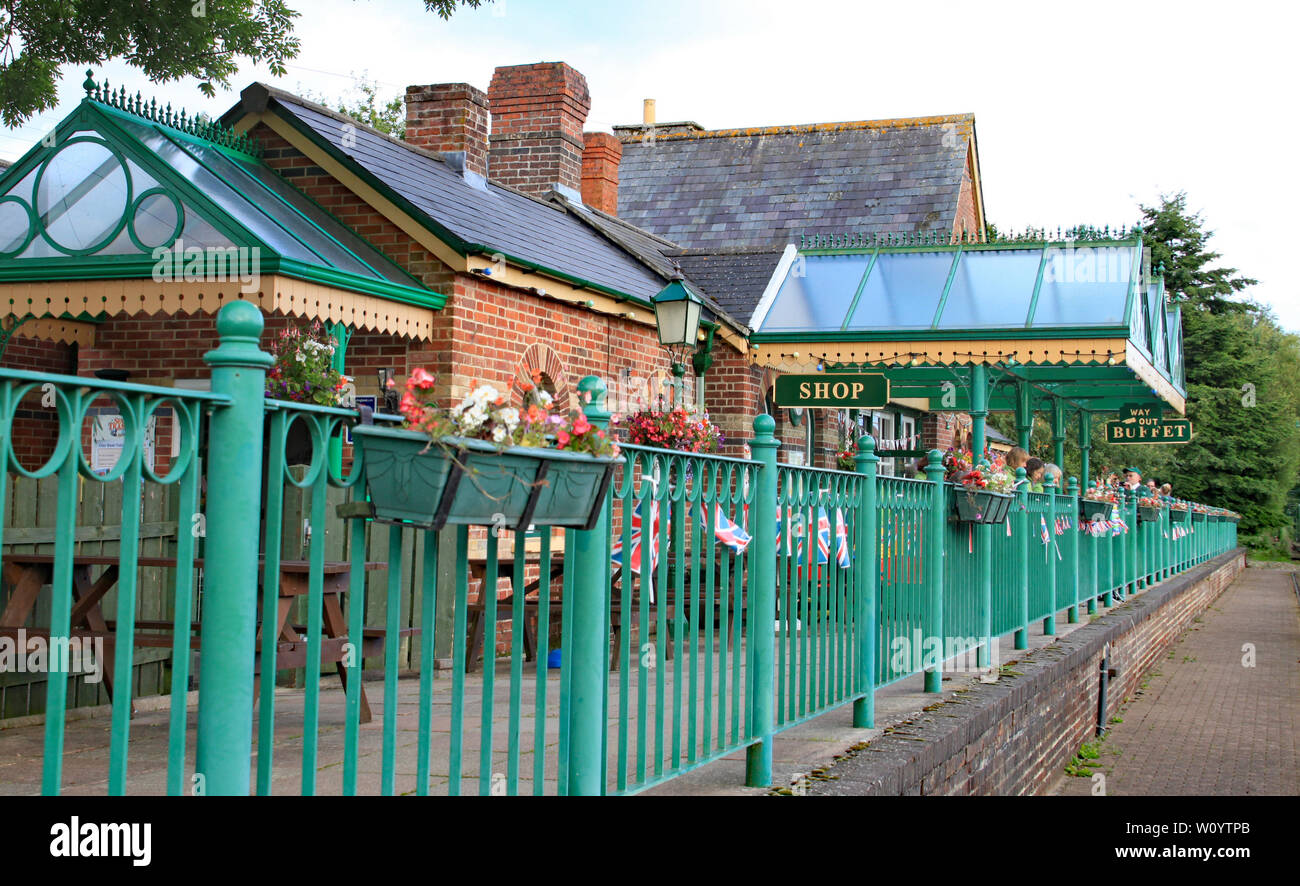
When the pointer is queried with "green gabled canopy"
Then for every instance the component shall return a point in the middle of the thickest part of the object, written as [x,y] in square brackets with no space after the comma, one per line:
[1081,319]
[119,182]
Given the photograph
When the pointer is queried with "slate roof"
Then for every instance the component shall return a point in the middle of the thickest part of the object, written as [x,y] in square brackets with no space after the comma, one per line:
[763,187]
[736,278]
[662,256]
[483,215]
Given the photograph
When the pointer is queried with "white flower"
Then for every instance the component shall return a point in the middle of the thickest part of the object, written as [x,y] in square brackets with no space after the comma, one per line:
[544,399]
[498,434]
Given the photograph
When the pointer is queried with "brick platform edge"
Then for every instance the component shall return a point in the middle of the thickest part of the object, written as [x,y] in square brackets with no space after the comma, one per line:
[1015,736]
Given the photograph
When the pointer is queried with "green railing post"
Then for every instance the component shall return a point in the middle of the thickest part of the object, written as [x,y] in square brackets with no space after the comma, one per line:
[867,574]
[1049,622]
[935,522]
[1095,590]
[586,649]
[1134,542]
[1020,532]
[762,608]
[984,553]
[983,538]
[1072,509]
[225,727]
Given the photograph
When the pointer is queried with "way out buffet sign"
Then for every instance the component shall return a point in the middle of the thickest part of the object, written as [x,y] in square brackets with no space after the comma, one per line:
[848,391]
[1143,423]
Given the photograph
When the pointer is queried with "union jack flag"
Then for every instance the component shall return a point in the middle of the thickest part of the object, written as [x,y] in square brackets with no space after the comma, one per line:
[793,542]
[1042,531]
[842,558]
[616,552]
[727,532]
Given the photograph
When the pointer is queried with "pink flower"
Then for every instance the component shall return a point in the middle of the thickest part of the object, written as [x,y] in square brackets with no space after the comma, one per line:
[421,379]
[563,438]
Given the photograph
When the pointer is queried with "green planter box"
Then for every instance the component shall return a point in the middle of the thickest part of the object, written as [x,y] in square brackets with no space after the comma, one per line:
[470,482]
[1199,516]
[1091,510]
[1232,519]
[1148,514]
[1178,516]
[980,507]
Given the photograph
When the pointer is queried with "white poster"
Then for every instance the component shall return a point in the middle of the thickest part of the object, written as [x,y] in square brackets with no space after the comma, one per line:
[108,439]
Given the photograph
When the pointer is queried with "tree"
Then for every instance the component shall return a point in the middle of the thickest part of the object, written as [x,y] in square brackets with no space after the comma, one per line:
[386,115]
[166,39]
[1242,374]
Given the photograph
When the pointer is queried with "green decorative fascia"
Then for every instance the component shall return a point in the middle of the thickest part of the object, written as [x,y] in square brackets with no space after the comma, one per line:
[410,295]
[443,233]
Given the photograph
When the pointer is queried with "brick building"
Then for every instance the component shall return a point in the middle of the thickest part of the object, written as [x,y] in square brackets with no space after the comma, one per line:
[510,240]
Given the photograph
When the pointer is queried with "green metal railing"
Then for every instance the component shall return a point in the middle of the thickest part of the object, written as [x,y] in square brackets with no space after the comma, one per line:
[714,603]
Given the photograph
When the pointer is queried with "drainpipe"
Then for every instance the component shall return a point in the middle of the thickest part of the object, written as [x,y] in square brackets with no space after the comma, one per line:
[1107,673]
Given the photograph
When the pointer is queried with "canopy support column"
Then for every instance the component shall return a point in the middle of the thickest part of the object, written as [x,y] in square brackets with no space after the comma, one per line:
[1024,415]
[1085,443]
[343,335]
[979,414]
[1058,434]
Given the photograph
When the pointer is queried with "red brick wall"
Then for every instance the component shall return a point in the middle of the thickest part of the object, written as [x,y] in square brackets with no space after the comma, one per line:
[354,212]
[1014,736]
[966,219]
[36,427]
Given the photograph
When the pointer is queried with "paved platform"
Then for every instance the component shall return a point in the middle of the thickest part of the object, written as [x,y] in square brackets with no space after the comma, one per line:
[1210,721]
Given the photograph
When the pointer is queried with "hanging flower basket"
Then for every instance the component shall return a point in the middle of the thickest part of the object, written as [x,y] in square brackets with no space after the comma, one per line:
[471,482]
[1092,509]
[1234,518]
[980,506]
[1199,516]
[1178,515]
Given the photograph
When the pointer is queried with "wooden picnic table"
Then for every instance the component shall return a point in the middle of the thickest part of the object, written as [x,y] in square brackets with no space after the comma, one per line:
[28,573]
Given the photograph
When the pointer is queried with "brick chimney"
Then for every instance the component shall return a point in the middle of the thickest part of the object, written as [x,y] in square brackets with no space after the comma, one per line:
[537,117]
[600,161]
[450,118]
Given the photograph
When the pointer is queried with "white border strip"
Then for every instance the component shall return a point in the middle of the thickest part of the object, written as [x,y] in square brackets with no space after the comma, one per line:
[773,287]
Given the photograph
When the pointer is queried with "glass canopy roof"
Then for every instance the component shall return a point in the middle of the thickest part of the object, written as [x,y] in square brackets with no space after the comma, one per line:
[958,287]
[1081,320]
[120,183]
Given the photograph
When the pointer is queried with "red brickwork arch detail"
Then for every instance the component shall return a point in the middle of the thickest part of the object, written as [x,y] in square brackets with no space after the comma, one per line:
[542,358]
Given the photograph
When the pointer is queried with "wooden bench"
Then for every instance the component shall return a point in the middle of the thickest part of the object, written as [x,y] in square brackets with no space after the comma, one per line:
[28,573]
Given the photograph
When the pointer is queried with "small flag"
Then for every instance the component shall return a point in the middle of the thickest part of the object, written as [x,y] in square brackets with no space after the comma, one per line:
[1042,531]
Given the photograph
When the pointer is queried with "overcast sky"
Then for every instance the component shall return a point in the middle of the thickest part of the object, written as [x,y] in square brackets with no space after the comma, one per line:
[1083,111]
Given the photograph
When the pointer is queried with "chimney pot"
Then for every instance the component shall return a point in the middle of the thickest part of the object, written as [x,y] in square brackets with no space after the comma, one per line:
[648,116]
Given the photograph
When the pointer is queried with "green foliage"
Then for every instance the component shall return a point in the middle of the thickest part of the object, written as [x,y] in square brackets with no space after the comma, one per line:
[367,107]
[165,39]
[1243,390]
[1243,379]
